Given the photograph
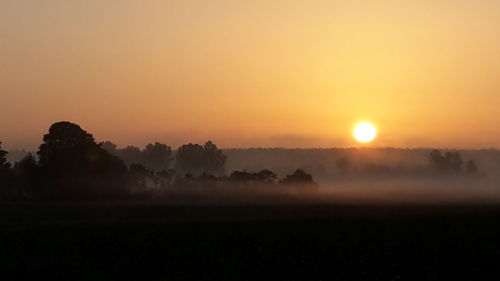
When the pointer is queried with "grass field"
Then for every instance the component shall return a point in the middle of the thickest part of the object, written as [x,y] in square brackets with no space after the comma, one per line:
[139,241]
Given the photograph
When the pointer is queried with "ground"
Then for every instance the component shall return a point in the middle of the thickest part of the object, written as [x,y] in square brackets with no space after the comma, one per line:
[146,241]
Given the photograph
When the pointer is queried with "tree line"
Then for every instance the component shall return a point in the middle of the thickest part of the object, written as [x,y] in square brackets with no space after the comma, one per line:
[445,165]
[70,165]
[189,158]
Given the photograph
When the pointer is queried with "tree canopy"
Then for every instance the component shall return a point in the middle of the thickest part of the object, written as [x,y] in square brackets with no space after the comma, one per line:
[450,162]
[157,156]
[76,166]
[4,165]
[299,177]
[196,159]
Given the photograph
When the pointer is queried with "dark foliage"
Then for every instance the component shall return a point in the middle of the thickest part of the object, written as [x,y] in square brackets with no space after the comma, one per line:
[28,177]
[299,177]
[450,162]
[241,176]
[4,165]
[72,166]
[138,178]
[110,147]
[166,178]
[472,167]
[75,167]
[196,159]
[5,175]
[131,155]
[447,165]
[264,176]
[157,156]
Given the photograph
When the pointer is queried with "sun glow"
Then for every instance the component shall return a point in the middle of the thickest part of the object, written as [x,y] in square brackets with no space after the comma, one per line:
[365,132]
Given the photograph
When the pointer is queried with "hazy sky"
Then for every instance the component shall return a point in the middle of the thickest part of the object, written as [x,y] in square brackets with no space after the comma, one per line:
[252,73]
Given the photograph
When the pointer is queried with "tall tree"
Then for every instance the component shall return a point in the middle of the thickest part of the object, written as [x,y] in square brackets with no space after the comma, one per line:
[4,165]
[472,167]
[157,156]
[131,155]
[77,167]
[197,159]
[190,159]
[215,160]
[5,186]
[29,177]
[109,147]
[450,162]
[68,148]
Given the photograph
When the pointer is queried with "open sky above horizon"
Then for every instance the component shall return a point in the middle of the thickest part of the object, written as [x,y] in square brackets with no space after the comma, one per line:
[252,73]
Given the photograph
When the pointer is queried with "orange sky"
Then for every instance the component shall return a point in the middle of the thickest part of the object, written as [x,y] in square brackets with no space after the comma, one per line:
[252,73]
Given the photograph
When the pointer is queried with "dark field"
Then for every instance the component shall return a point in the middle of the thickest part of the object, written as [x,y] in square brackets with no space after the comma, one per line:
[133,241]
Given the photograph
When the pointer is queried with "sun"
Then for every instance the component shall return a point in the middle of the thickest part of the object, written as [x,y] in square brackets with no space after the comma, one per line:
[365,132]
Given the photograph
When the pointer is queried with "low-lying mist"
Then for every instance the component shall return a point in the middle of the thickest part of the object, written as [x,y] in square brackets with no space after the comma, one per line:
[369,192]
[412,191]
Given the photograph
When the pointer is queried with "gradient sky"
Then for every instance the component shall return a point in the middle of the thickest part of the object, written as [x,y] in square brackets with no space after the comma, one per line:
[252,73]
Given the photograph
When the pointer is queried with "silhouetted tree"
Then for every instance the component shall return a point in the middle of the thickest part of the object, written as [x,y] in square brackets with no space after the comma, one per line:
[78,168]
[437,160]
[215,160]
[166,178]
[5,184]
[29,177]
[455,162]
[451,162]
[4,165]
[131,155]
[109,147]
[263,176]
[157,156]
[189,159]
[241,176]
[299,177]
[207,177]
[138,178]
[196,159]
[472,167]
[266,176]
